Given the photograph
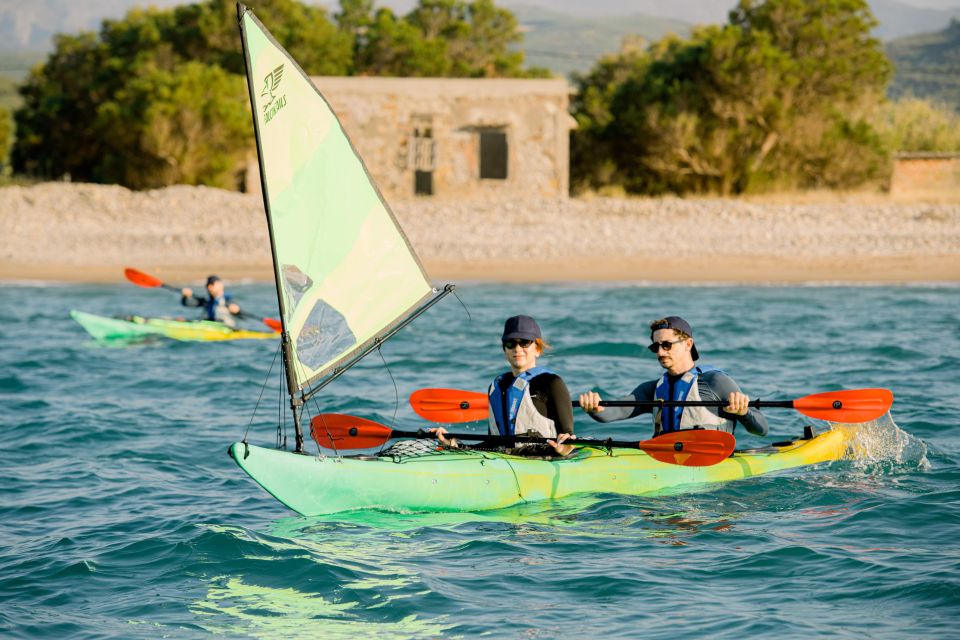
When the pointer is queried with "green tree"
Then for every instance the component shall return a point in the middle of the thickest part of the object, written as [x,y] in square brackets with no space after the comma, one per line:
[438,38]
[6,133]
[592,164]
[915,125]
[185,125]
[55,133]
[355,17]
[395,47]
[778,97]
[124,105]
[478,36]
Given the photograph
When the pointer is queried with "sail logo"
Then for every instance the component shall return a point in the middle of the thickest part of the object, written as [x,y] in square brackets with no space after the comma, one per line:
[270,83]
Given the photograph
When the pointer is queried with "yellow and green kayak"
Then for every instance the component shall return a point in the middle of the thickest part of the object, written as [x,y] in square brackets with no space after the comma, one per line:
[422,479]
[131,327]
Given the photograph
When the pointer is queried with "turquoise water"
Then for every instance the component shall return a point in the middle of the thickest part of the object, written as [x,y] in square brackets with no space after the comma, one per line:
[123,517]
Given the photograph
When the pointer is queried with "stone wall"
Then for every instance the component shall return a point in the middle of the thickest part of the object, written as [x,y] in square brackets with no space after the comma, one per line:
[400,125]
[925,174]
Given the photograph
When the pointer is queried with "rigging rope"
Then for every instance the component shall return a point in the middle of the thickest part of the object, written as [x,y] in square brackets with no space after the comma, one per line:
[262,387]
[396,395]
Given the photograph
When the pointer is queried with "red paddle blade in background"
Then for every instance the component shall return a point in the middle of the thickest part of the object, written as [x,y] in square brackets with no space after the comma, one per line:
[142,279]
[449,405]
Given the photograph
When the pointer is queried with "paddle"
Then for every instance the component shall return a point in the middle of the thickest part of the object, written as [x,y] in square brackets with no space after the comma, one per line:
[850,406]
[690,448]
[142,279]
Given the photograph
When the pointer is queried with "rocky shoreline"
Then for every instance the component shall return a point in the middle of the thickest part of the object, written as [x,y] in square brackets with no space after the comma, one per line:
[88,233]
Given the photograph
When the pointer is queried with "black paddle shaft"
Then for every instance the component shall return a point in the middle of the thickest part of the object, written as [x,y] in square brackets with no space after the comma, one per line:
[787,404]
[510,440]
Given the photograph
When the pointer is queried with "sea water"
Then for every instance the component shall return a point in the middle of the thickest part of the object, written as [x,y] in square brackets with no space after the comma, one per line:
[122,516]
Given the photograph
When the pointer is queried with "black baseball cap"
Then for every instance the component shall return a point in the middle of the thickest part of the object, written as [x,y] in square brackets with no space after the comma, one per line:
[212,279]
[522,327]
[678,324]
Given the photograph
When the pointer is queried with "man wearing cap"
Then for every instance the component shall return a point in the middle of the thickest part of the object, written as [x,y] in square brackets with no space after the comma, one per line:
[672,341]
[219,306]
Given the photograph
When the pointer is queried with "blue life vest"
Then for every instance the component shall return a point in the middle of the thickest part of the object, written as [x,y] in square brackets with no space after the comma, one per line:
[514,396]
[670,416]
[211,306]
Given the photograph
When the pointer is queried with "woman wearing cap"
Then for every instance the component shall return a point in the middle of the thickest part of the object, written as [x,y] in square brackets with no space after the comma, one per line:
[218,307]
[672,341]
[528,399]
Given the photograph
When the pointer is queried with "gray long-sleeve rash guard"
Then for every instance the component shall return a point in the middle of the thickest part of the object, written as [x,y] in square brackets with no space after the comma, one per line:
[712,385]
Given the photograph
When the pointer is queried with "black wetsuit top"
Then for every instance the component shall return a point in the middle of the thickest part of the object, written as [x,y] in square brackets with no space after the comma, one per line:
[550,396]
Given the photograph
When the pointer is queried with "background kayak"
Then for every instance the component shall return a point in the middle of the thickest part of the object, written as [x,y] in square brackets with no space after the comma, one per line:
[124,517]
[104,328]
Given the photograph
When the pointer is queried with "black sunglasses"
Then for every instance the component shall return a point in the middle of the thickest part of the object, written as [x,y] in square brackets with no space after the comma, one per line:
[512,344]
[666,344]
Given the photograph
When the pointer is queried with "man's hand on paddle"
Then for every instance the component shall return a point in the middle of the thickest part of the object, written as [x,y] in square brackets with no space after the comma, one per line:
[590,402]
[737,404]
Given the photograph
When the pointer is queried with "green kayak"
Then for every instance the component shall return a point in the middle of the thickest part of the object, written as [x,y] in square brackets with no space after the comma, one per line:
[413,477]
[130,327]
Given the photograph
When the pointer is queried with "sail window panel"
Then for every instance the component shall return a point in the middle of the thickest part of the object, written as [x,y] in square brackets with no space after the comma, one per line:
[493,154]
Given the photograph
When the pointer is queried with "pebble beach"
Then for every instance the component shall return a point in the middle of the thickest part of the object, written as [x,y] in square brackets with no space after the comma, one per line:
[88,233]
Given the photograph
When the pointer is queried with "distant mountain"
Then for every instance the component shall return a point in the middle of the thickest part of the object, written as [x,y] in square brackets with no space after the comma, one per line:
[928,66]
[29,26]
[898,19]
[564,44]
[686,11]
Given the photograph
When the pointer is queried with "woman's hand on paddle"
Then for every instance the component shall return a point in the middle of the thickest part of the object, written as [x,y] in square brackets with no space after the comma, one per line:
[737,404]
[441,436]
[233,308]
[590,402]
[558,445]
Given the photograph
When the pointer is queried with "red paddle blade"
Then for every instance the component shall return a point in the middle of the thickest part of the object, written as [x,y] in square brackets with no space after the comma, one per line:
[340,431]
[273,324]
[854,405]
[691,447]
[141,279]
[449,405]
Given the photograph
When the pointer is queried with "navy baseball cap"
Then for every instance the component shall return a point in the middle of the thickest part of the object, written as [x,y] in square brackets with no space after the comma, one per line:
[678,324]
[212,279]
[522,327]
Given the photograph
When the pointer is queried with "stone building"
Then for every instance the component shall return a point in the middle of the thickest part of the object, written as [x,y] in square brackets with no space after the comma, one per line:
[457,138]
[928,174]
